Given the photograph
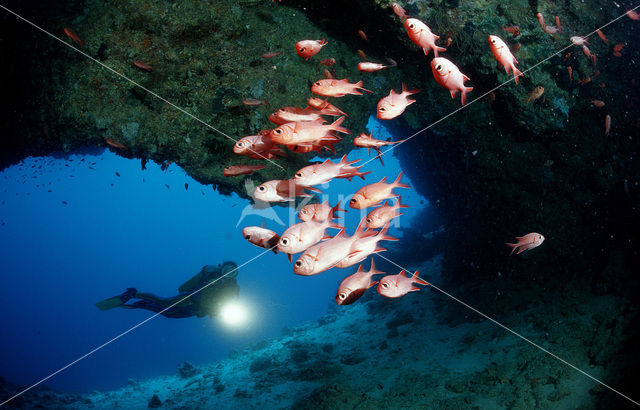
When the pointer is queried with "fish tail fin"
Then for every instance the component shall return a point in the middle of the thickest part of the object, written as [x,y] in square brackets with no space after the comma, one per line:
[513,247]
[417,279]
[359,85]
[335,126]
[383,234]
[362,174]
[401,205]
[517,73]
[379,155]
[337,209]
[407,91]
[398,184]
[373,268]
[464,94]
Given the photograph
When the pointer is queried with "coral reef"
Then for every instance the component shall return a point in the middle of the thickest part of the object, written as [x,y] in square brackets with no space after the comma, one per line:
[206,59]
[437,357]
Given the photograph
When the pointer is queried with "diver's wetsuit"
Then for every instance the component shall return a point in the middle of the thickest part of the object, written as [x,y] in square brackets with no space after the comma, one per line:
[207,301]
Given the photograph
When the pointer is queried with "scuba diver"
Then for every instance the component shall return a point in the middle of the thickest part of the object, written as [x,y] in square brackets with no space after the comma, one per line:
[208,301]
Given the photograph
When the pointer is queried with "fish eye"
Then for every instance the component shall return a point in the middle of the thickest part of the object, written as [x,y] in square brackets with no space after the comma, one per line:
[299,174]
[284,241]
[384,285]
[493,40]
[277,131]
[240,144]
[227,167]
[247,237]
[438,67]
[317,83]
[282,109]
[369,220]
[353,200]
[304,211]
[342,296]
[411,25]
[298,263]
[261,188]
[302,49]
[382,109]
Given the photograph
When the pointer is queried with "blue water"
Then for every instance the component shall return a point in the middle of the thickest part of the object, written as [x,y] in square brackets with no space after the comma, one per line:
[132,231]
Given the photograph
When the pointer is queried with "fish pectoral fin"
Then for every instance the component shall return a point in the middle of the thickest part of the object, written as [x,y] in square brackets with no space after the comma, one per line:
[289,255]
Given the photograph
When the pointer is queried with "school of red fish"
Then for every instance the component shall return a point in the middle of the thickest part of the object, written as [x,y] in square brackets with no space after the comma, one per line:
[303,130]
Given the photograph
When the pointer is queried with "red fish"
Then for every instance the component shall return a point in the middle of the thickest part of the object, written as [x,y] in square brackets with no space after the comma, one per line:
[449,76]
[570,71]
[337,88]
[633,15]
[364,247]
[354,286]
[597,103]
[529,241]
[368,142]
[361,54]
[143,66]
[374,194]
[307,132]
[73,36]
[394,104]
[553,30]
[325,255]
[362,35]
[326,108]
[262,237]
[541,20]
[558,23]
[618,47]
[295,114]
[254,102]
[319,212]
[271,54]
[602,36]
[114,143]
[323,173]
[400,12]
[579,41]
[301,236]
[279,190]
[422,36]
[515,30]
[502,53]
[259,146]
[382,215]
[235,170]
[368,67]
[327,62]
[395,286]
[309,48]
[607,125]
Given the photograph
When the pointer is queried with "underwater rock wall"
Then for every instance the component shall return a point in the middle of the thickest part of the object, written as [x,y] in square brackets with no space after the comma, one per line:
[206,59]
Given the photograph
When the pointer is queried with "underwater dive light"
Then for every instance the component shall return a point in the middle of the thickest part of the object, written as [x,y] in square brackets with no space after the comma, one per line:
[234,314]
